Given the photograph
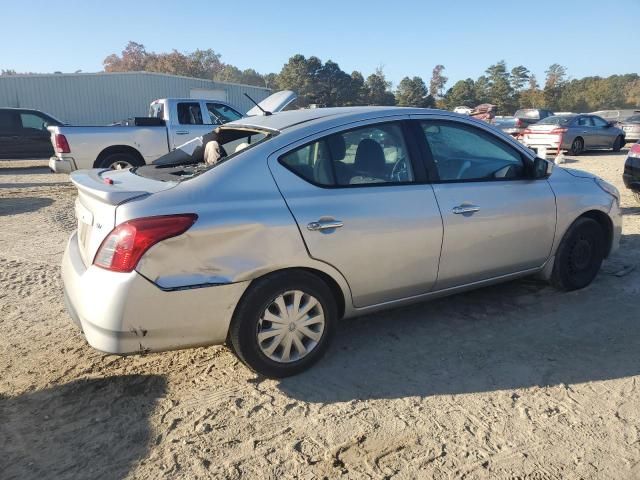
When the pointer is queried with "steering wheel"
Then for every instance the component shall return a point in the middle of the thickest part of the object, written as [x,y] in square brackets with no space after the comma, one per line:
[400,172]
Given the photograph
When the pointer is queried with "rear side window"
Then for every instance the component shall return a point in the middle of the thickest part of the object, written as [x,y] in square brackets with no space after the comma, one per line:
[189,113]
[364,156]
[29,120]
[157,110]
[465,153]
[584,122]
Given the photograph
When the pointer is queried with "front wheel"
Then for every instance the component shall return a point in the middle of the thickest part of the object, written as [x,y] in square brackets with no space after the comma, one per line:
[283,323]
[577,146]
[579,255]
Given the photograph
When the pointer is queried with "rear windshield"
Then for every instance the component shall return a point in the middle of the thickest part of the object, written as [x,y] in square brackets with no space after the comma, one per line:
[556,120]
[633,119]
[527,113]
[504,122]
[202,153]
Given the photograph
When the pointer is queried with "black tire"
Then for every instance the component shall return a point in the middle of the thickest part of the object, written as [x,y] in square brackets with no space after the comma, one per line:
[243,332]
[618,143]
[123,159]
[577,146]
[579,255]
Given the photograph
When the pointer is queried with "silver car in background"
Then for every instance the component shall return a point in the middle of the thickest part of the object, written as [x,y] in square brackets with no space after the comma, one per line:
[312,216]
[573,133]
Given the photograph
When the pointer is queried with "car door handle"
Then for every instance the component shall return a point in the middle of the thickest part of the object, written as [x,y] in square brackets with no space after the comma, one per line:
[324,225]
[182,132]
[461,209]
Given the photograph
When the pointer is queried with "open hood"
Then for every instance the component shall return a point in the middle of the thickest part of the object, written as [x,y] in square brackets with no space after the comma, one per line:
[274,103]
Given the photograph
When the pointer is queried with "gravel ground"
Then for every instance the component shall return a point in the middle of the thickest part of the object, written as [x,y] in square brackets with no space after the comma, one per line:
[511,381]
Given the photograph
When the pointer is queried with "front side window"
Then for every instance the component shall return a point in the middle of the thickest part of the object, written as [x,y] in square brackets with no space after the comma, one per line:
[465,153]
[221,114]
[189,113]
[369,155]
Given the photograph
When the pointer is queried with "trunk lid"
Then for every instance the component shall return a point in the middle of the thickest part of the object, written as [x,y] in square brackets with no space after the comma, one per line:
[544,128]
[274,103]
[99,194]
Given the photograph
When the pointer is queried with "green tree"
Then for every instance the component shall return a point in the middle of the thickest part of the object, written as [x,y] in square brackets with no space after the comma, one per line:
[438,81]
[519,77]
[412,92]
[532,97]
[499,91]
[463,93]
[555,80]
[378,88]
[300,74]
[229,73]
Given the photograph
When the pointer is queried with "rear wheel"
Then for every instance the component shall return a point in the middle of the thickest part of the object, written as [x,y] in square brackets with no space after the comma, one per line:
[120,161]
[283,323]
[577,146]
[618,143]
[579,255]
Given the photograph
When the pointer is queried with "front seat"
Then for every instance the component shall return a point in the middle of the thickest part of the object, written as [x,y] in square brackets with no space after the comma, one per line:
[370,160]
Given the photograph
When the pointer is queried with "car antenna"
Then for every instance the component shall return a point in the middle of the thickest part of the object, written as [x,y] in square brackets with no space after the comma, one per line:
[256,104]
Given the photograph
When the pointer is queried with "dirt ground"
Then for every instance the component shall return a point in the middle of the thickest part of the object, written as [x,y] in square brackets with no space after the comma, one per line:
[512,381]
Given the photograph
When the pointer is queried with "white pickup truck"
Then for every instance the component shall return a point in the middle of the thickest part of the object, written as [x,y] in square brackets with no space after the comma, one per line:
[136,142]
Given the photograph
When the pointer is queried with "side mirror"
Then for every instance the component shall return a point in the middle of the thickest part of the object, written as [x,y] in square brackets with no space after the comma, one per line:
[542,168]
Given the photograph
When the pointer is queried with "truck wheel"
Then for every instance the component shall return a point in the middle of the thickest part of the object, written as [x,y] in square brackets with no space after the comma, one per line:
[120,161]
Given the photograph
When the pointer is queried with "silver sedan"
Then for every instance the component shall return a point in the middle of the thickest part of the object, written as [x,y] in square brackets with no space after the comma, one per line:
[307,217]
[574,133]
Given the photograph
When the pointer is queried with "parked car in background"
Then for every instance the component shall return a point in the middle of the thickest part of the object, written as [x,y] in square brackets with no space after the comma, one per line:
[631,175]
[325,214]
[507,125]
[171,122]
[528,116]
[463,110]
[615,116]
[24,134]
[631,128]
[574,133]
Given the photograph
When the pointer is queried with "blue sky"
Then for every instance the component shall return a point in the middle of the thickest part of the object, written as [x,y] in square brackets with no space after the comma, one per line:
[405,37]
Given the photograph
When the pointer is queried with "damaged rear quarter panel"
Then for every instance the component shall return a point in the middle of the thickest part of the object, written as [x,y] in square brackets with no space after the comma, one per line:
[243,231]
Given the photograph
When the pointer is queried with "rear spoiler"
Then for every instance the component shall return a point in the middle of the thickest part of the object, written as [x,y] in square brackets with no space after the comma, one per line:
[90,182]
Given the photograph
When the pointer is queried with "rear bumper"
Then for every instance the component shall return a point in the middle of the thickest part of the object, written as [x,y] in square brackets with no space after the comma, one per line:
[62,165]
[126,313]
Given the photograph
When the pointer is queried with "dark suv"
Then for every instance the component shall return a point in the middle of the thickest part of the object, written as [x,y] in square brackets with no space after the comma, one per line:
[528,116]
[24,134]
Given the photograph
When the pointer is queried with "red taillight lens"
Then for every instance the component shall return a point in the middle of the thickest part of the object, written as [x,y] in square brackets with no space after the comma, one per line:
[124,246]
[634,151]
[526,131]
[558,131]
[518,123]
[62,146]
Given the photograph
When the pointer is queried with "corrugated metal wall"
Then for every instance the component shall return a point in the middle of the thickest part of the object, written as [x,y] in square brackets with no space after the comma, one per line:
[103,98]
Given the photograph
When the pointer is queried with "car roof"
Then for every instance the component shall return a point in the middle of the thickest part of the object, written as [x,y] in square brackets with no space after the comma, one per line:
[292,119]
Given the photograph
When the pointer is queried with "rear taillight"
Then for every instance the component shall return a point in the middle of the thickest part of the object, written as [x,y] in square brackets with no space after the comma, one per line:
[62,146]
[526,131]
[124,246]
[558,131]
[634,151]
[518,123]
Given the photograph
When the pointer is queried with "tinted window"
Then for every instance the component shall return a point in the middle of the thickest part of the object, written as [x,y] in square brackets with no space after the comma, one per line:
[634,119]
[599,122]
[584,122]
[7,120]
[189,113]
[220,113]
[369,155]
[461,152]
[29,120]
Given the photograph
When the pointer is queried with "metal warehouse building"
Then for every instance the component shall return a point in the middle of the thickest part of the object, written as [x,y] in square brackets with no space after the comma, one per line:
[104,98]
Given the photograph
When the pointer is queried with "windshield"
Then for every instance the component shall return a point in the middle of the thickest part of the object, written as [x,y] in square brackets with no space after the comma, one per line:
[556,120]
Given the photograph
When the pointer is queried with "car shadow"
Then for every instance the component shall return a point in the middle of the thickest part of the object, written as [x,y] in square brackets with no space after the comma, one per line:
[96,428]
[630,210]
[19,205]
[510,336]
[35,185]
